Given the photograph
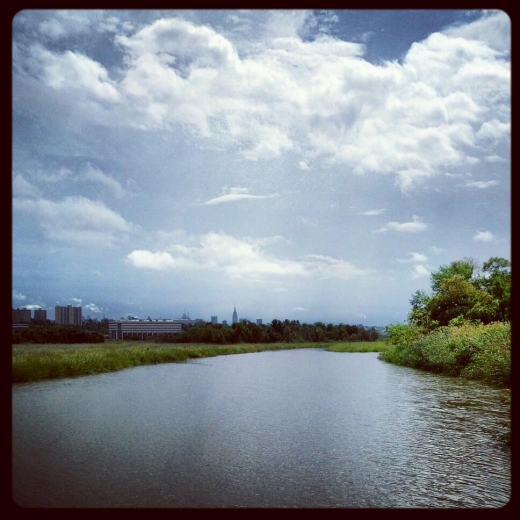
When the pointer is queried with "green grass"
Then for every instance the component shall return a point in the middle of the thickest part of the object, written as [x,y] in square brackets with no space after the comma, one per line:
[32,362]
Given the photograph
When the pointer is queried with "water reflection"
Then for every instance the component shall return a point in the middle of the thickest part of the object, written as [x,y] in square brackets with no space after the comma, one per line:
[304,428]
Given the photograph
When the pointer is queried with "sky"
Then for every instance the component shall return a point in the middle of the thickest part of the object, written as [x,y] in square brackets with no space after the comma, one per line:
[302,165]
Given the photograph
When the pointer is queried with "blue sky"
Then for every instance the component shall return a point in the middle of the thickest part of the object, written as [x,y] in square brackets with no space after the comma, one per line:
[310,165]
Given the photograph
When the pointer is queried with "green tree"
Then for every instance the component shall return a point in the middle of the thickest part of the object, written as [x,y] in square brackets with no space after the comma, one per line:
[496,281]
[464,268]
[458,297]
[420,315]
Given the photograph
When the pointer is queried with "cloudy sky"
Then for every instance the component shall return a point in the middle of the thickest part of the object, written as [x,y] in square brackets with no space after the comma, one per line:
[310,165]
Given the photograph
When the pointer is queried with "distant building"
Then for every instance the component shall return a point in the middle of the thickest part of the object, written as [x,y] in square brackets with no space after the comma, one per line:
[21,315]
[141,329]
[68,315]
[259,321]
[235,315]
[214,319]
[224,322]
[40,315]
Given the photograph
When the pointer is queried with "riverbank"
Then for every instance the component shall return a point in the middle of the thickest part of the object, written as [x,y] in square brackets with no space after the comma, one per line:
[32,362]
[471,351]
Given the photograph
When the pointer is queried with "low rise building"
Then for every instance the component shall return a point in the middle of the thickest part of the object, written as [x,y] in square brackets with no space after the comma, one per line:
[141,329]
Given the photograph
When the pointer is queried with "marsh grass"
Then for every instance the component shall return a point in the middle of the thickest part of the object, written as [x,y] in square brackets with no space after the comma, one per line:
[32,362]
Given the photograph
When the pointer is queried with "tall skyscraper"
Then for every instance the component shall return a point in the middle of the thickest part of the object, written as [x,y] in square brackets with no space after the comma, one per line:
[214,319]
[235,315]
[68,315]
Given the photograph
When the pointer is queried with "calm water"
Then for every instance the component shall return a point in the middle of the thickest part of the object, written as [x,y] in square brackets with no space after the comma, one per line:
[299,428]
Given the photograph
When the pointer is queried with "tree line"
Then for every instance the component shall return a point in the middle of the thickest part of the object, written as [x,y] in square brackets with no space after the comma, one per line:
[42,334]
[277,331]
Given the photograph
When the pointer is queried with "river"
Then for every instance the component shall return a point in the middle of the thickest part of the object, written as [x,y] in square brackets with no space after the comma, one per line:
[300,428]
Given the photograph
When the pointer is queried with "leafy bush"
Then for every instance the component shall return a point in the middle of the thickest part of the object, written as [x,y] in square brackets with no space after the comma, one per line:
[470,350]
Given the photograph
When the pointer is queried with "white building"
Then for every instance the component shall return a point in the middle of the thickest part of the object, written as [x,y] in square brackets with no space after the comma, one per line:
[140,329]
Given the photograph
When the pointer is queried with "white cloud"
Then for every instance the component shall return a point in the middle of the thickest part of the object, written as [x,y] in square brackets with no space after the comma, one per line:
[72,70]
[493,29]
[494,159]
[299,309]
[419,271]
[494,130]
[93,174]
[77,301]
[415,257]
[33,307]
[483,236]
[234,194]
[92,307]
[415,226]
[18,296]
[482,184]
[373,212]
[76,220]
[147,260]
[436,250]
[447,102]
[240,258]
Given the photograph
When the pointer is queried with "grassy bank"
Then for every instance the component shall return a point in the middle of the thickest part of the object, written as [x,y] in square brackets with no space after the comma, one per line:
[32,362]
[472,351]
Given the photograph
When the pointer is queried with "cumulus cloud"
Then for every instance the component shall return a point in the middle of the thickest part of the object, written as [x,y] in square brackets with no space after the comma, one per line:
[482,185]
[92,307]
[446,104]
[73,70]
[33,307]
[436,250]
[415,226]
[147,260]
[373,212]
[240,258]
[303,165]
[234,194]
[76,220]
[483,236]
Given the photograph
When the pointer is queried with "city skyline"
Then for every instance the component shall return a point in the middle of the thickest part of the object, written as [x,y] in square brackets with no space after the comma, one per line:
[311,165]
